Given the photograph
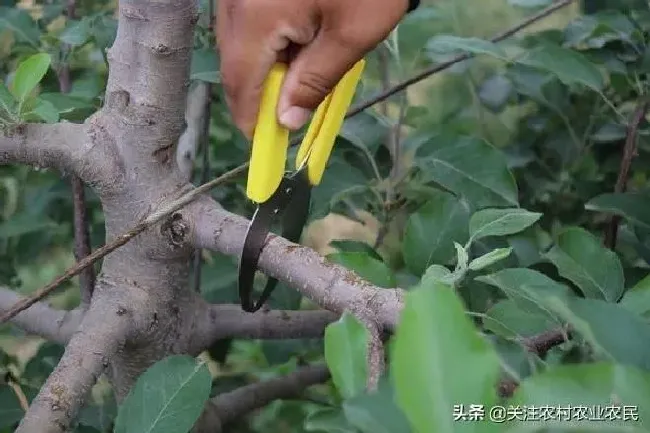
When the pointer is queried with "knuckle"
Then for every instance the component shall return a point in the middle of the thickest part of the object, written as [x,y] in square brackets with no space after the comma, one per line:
[315,84]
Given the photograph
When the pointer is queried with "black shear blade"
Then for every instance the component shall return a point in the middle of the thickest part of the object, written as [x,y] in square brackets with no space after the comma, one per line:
[292,200]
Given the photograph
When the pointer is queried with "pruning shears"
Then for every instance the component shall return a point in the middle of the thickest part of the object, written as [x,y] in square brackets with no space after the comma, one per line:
[287,194]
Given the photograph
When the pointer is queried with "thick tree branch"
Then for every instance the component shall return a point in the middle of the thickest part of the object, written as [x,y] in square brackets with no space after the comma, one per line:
[331,286]
[101,334]
[67,147]
[41,319]
[232,405]
[217,322]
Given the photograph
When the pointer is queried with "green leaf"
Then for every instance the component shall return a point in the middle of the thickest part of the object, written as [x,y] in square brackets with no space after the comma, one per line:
[346,348]
[46,111]
[41,365]
[571,67]
[637,299]
[508,320]
[581,258]
[437,274]
[596,30]
[22,224]
[366,131]
[431,231]
[530,289]
[328,420]
[500,222]
[167,398]
[7,101]
[104,30]
[541,86]
[10,410]
[76,33]
[489,259]
[470,167]
[614,332]
[368,267]
[635,207]
[204,66]
[21,24]
[495,92]
[609,132]
[439,361]
[348,246]
[447,44]
[338,178]
[29,73]
[588,385]
[376,412]
[99,416]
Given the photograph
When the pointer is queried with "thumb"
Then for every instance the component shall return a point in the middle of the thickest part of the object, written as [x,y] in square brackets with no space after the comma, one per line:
[312,75]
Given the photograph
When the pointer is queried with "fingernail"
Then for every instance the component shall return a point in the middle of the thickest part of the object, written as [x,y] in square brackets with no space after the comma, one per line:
[294,117]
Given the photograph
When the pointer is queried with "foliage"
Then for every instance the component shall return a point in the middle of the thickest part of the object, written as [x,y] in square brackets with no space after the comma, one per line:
[491,215]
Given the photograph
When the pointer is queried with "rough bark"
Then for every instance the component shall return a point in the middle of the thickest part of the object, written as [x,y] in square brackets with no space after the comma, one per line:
[41,319]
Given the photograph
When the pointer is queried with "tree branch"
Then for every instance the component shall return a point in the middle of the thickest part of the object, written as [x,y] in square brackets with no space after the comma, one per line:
[41,319]
[100,335]
[82,239]
[234,404]
[218,322]
[629,152]
[541,343]
[331,286]
[67,147]
[376,361]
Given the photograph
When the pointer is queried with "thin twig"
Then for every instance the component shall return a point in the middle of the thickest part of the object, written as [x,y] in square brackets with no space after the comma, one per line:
[538,344]
[205,163]
[18,390]
[82,246]
[384,75]
[80,219]
[164,211]
[629,152]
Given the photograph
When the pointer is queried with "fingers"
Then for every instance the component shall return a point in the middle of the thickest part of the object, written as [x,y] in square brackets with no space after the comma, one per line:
[312,75]
[245,62]
[251,36]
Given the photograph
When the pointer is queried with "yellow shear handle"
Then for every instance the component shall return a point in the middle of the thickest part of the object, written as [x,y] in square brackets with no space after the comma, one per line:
[317,145]
[271,140]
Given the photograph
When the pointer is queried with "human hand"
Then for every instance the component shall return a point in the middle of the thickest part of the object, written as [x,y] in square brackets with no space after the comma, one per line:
[319,39]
